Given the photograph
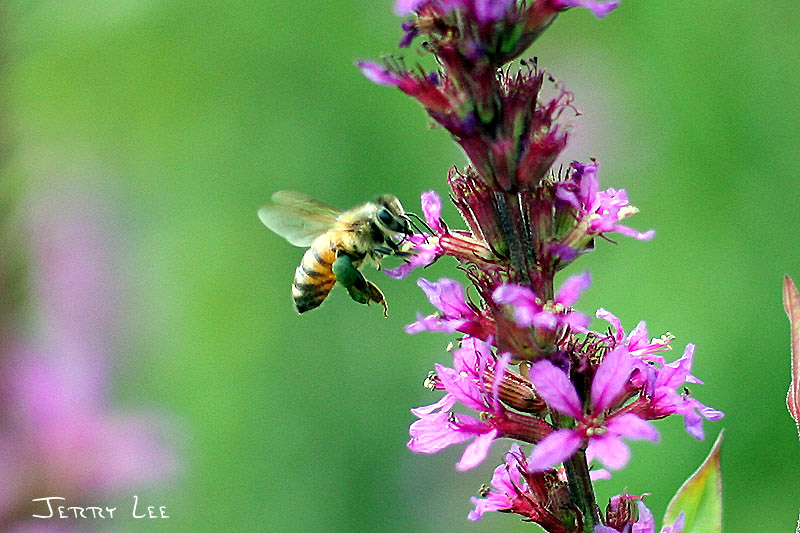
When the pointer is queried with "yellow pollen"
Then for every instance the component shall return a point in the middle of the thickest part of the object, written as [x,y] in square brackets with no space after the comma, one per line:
[627,211]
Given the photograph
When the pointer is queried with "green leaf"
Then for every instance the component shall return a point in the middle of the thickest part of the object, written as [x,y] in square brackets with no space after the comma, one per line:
[700,497]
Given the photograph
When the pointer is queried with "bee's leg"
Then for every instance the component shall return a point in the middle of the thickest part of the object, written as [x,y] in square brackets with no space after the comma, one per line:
[350,277]
[344,270]
[359,289]
[376,295]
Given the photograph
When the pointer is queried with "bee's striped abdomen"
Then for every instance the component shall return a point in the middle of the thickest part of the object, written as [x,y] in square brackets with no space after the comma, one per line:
[314,278]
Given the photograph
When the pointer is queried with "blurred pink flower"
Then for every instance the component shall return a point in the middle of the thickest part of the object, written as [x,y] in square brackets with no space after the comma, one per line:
[58,433]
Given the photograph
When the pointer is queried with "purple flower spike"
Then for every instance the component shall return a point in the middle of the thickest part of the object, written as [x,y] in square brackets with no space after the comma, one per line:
[577,395]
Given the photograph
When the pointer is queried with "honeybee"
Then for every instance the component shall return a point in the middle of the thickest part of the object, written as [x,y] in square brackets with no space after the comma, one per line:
[338,242]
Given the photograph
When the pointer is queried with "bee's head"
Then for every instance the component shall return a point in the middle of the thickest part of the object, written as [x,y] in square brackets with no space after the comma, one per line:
[391,214]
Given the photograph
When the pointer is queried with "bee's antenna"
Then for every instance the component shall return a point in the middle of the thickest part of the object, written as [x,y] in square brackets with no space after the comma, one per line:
[420,219]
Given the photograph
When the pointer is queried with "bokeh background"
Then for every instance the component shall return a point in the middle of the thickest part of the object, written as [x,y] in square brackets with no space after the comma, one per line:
[140,137]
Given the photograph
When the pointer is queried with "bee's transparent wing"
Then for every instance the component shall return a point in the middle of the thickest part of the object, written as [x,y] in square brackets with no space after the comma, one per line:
[304,202]
[297,217]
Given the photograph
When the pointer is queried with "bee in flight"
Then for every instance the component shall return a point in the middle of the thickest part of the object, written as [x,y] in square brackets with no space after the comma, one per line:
[338,243]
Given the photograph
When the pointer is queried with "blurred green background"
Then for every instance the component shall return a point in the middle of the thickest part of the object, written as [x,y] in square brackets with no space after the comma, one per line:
[187,116]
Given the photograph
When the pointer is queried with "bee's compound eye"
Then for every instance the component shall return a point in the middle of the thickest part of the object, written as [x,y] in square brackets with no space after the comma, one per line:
[386,217]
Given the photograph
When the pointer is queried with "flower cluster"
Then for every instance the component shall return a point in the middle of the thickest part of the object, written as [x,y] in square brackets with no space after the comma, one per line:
[527,361]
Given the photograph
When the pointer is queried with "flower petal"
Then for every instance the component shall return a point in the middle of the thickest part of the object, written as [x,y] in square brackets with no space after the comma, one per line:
[499,375]
[376,73]
[610,379]
[522,299]
[447,295]
[462,387]
[631,426]
[432,210]
[477,451]
[645,523]
[553,385]
[610,450]
[444,404]
[572,288]
[608,316]
[553,449]
[426,250]
[432,434]
[406,7]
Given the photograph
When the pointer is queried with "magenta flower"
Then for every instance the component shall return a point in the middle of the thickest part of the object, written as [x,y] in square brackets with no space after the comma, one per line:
[637,341]
[537,497]
[427,248]
[665,400]
[508,485]
[432,210]
[530,311]
[455,314]
[473,358]
[602,432]
[425,252]
[598,212]
[439,428]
